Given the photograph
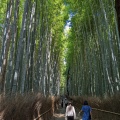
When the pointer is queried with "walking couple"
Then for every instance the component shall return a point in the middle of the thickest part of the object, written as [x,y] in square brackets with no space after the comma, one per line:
[71,114]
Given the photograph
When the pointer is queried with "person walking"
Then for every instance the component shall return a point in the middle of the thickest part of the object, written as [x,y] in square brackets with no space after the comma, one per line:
[62,102]
[65,102]
[70,112]
[86,109]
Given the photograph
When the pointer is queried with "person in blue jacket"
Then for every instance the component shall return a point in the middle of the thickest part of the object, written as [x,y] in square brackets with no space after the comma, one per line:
[86,109]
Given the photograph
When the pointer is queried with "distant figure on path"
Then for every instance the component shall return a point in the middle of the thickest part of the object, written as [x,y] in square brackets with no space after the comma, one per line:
[86,109]
[70,112]
[62,103]
[65,102]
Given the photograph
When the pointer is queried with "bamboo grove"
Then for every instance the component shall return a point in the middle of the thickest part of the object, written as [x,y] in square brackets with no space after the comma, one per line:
[36,55]
[31,42]
[94,60]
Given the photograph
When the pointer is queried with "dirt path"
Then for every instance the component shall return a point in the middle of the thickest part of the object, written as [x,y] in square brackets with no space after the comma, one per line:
[60,115]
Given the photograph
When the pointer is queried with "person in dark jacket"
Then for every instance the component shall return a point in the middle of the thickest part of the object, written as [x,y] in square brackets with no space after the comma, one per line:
[62,103]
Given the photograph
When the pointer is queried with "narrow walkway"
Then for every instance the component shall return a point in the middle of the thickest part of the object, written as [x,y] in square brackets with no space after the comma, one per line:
[60,115]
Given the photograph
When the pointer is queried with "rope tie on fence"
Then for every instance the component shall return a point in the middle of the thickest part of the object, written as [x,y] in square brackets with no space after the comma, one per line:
[106,111]
[43,114]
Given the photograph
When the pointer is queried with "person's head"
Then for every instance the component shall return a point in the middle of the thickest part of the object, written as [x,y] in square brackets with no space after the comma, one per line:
[69,103]
[69,106]
[85,102]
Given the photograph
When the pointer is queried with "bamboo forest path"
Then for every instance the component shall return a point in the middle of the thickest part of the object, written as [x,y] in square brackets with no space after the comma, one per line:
[60,114]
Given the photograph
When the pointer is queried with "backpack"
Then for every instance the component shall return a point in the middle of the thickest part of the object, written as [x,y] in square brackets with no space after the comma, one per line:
[89,117]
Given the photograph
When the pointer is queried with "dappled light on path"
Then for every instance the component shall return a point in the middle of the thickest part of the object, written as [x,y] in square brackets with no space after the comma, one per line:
[59,115]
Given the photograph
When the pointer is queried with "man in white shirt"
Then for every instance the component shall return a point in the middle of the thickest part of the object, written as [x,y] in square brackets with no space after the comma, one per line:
[70,112]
